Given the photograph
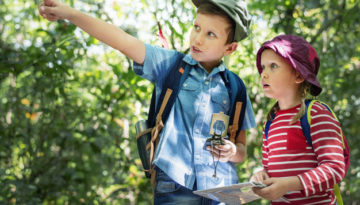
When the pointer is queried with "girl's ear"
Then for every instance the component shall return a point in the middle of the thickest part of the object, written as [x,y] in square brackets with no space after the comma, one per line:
[230,48]
[299,79]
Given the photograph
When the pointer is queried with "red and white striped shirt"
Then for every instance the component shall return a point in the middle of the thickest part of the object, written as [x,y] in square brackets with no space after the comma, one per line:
[286,153]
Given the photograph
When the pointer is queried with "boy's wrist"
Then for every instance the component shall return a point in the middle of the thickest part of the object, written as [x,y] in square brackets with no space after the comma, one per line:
[240,153]
[71,13]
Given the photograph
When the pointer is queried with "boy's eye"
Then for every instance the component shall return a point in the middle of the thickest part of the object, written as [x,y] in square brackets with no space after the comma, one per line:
[211,34]
[196,27]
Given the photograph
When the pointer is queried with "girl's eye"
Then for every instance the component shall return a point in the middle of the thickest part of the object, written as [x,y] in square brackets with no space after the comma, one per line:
[196,27]
[273,65]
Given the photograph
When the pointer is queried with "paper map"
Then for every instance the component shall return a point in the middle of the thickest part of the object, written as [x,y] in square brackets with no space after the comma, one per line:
[233,194]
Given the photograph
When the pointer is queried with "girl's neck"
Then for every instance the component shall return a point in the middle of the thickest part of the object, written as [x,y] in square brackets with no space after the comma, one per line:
[289,103]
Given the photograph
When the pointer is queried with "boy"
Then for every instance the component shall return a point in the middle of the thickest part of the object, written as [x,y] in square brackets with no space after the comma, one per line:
[181,161]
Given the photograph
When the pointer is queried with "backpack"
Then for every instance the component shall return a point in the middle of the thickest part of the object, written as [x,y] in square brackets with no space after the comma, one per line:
[305,122]
[148,139]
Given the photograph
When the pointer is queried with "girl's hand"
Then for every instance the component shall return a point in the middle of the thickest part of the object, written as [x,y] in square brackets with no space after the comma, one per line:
[53,10]
[223,152]
[260,176]
[278,187]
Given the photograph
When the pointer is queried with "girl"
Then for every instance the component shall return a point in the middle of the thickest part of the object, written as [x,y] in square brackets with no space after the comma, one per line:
[293,170]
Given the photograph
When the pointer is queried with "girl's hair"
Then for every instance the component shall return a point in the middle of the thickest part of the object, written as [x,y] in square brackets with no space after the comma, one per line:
[209,8]
[304,89]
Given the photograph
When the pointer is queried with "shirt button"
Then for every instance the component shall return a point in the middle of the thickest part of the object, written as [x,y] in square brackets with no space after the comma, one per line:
[185,84]
[197,131]
[224,102]
[206,82]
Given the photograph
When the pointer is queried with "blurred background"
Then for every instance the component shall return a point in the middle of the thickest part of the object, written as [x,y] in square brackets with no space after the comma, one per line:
[68,103]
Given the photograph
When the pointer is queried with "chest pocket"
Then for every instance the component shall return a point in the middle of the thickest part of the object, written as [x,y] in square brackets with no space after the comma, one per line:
[296,139]
[190,88]
[221,102]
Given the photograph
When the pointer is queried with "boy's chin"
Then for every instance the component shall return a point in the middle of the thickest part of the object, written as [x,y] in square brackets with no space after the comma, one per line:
[195,56]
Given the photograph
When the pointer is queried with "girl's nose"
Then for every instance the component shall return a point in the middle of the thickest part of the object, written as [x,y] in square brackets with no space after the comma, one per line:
[263,74]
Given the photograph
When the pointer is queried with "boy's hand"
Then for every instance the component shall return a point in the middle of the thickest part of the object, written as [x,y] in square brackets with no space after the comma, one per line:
[223,152]
[53,10]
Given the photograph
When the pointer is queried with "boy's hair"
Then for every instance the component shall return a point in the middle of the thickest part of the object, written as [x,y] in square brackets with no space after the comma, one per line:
[209,8]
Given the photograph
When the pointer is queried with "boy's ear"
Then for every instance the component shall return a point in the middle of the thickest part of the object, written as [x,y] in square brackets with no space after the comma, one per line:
[230,48]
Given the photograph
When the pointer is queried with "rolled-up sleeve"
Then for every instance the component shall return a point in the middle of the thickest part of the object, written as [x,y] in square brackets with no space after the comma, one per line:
[156,64]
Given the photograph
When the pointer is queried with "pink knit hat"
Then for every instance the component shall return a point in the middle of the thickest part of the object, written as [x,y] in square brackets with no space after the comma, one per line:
[299,54]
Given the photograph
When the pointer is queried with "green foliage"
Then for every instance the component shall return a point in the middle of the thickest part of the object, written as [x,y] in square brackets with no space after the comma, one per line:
[69,104]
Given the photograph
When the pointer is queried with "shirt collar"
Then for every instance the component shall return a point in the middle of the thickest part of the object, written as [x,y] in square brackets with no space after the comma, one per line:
[221,68]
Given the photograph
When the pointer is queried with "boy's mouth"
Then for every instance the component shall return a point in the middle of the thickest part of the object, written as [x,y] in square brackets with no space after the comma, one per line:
[195,49]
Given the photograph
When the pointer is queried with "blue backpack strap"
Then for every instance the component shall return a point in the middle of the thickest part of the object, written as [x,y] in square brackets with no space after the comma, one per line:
[304,121]
[173,81]
[237,93]
[266,129]
[267,126]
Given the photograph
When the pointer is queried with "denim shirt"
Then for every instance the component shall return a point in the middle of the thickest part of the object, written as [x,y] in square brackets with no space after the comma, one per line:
[181,152]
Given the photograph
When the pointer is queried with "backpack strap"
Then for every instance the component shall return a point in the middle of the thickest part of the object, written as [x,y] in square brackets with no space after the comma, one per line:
[267,126]
[159,113]
[305,121]
[172,82]
[237,93]
[266,129]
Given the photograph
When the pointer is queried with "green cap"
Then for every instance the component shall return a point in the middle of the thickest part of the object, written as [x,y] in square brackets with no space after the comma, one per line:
[236,9]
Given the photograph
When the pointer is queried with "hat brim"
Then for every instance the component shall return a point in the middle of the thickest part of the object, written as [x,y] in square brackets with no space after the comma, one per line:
[197,2]
[315,88]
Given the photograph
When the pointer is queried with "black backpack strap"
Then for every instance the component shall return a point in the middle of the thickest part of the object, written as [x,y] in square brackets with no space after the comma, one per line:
[172,81]
[159,113]
[237,94]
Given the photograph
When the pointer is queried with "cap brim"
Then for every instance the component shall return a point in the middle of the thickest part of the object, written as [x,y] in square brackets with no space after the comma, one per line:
[197,2]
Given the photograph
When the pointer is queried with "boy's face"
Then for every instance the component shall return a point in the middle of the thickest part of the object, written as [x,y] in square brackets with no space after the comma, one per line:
[208,40]
[279,80]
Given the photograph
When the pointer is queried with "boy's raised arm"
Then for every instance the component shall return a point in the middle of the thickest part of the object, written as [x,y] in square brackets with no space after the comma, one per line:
[105,32]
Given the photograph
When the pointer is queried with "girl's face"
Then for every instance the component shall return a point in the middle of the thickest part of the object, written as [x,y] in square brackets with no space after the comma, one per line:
[279,80]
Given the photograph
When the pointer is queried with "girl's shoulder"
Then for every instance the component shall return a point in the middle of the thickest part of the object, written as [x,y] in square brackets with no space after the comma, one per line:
[320,112]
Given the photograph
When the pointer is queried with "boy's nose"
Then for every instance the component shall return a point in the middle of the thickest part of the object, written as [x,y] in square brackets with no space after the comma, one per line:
[198,39]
